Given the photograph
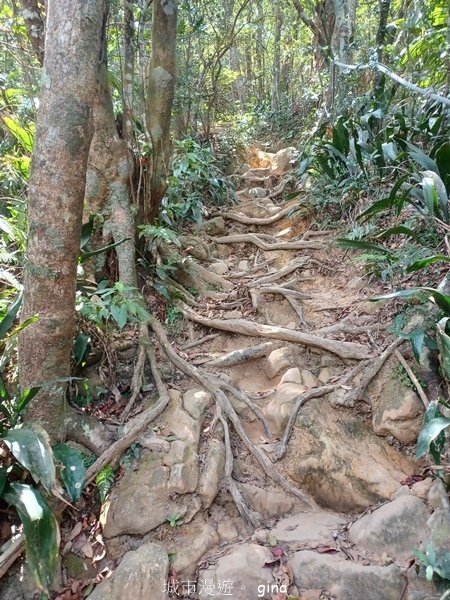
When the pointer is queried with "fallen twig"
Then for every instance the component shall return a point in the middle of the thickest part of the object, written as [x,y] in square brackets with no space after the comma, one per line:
[413,378]
[203,340]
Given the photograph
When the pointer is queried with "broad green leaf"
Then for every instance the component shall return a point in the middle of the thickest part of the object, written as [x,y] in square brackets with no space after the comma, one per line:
[417,340]
[421,158]
[443,342]
[40,529]
[23,136]
[426,262]
[360,245]
[86,232]
[73,471]
[430,196]
[389,150]
[3,479]
[397,230]
[430,432]
[30,446]
[120,314]
[23,400]
[80,346]
[442,300]
[375,208]
[8,320]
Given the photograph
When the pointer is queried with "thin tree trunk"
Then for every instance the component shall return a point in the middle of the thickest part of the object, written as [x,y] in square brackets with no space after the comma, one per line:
[276,65]
[32,14]
[63,137]
[380,78]
[128,70]
[161,91]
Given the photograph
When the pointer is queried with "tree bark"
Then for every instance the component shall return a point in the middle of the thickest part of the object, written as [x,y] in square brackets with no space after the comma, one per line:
[63,136]
[161,91]
[32,13]
[380,78]
[108,182]
[276,65]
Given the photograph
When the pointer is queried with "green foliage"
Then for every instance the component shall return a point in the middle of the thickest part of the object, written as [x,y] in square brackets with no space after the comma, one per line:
[31,452]
[104,481]
[175,520]
[130,456]
[196,182]
[436,563]
[119,304]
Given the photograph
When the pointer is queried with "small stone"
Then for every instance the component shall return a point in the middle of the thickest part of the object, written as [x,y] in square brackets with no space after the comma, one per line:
[345,579]
[292,376]
[257,192]
[196,402]
[268,503]
[421,489]
[202,537]
[308,379]
[395,528]
[215,226]
[227,531]
[325,375]
[291,325]
[243,265]
[437,496]
[141,575]
[244,567]
[219,268]
[277,361]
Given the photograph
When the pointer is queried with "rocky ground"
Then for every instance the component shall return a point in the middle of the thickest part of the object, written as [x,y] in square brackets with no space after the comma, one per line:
[343,504]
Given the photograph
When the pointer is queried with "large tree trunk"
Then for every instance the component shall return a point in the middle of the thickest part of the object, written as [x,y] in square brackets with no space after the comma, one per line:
[63,137]
[161,91]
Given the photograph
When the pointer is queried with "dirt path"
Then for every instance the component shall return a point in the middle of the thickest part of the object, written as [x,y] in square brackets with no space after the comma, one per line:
[283,412]
[285,425]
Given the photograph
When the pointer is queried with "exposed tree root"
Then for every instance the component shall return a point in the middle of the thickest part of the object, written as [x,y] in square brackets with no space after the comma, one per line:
[283,291]
[240,356]
[299,401]
[250,516]
[222,401]
[251,238]
[350,397]
[137,425]
[279,189]
[254,220]
[293,265]
[344,350]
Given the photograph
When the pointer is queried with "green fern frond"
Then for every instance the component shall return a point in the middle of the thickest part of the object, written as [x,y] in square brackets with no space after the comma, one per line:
[8,278]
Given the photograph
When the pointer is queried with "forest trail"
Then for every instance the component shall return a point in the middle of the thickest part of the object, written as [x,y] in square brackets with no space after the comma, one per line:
[260,480]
